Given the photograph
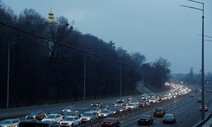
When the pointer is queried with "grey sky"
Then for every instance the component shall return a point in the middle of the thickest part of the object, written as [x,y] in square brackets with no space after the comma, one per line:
[155,28]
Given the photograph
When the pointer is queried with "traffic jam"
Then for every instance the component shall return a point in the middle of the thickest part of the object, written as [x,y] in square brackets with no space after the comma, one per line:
[105,113]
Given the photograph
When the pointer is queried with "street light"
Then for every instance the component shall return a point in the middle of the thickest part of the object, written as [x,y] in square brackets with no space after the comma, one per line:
[84,80]
[10,42]
[202,70]
[120,74]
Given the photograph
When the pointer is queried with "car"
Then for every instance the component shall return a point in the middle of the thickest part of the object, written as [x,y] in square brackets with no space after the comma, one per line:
[81,110]
[151,95]
[110,122]
[88,117]
[121,100]
[205,107]
[199,100]
[108,105]
[121,109]
[70,121]
[97,104]
[131,106]
[169,118]
[145,120]
[159,112]
[50,124]
[129,98]
[72,114]
[115,110]
[59,112]
[97,110]
[160,98]
[10,123]
[32,123]
[53,118]
[29,120]
[152,100]
[68,109]
[105,113]
[143,103]
[39,115]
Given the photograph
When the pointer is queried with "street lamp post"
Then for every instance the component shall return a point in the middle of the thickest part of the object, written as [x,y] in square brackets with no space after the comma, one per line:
[120,80]
[8,70]
[202,70]
[84,84]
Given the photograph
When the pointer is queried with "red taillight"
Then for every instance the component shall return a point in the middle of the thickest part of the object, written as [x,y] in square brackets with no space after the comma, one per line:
[110,123]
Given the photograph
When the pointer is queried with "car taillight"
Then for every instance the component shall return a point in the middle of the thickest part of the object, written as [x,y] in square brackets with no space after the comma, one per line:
[110,123]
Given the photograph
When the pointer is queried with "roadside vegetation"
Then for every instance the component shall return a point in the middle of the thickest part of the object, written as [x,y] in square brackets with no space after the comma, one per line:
[45,72]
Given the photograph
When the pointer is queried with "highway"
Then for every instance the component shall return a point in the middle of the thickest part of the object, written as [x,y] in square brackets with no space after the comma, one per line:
[185,108]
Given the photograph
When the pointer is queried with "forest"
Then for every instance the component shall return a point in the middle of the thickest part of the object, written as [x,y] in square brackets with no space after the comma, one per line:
[60,64]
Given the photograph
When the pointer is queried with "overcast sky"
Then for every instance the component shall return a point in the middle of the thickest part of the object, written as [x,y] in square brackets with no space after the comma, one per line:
[155,28]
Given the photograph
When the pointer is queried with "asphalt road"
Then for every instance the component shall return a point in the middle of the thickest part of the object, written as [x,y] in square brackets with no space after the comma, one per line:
[186,110]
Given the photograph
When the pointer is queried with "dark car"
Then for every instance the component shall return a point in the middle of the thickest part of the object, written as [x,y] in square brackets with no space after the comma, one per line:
[97,104]
[80,111]
[205,107]
[145,120]
[68,109]
[142,103]
[169,118]
[159,112]
[110,122]
[199,100]
[39,115]
[37,124]
[58,112]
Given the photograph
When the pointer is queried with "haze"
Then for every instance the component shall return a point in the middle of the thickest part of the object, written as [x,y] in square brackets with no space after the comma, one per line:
[155,28]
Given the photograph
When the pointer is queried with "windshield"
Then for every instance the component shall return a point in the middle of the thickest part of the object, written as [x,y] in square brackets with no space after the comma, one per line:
[86,114]
[68,119]
[6,122]
[109,120]
[51,116]
[144,117]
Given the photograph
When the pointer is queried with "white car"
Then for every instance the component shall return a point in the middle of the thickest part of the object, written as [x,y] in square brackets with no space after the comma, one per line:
[105,113]
[10,123]
[53,118]
[152,100]
[131,106]
[70,121]
[88,116]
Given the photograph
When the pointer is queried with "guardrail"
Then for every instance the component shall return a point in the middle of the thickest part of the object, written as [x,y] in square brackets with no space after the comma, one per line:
[22,111]
[207,122]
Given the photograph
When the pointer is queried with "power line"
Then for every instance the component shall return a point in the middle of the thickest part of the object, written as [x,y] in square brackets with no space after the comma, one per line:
[65,45]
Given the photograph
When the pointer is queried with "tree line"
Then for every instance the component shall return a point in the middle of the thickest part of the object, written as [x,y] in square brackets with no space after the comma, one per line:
[42,71]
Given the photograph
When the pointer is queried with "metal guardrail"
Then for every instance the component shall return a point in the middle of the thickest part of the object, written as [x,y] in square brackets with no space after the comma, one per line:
[207,122]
